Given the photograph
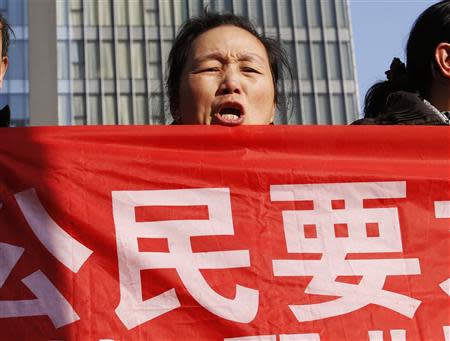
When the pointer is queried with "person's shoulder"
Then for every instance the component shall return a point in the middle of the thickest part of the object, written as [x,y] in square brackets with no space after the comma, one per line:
[5,116]
[406,108]
[364,121]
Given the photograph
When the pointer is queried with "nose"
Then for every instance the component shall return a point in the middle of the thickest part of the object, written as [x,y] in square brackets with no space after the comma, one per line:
[231,83]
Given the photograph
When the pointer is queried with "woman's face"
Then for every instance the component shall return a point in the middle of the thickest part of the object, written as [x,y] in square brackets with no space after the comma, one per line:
[226,80]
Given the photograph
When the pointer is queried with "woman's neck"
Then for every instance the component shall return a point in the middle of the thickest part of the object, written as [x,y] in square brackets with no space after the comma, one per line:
[440,96]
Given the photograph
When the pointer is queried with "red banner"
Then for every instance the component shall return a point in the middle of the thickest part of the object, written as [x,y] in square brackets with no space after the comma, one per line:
[216,233]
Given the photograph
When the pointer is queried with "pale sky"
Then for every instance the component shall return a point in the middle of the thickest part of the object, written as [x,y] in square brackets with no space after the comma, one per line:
[380,32]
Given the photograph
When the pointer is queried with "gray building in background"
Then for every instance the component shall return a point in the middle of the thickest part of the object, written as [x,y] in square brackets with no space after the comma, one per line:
[110,61]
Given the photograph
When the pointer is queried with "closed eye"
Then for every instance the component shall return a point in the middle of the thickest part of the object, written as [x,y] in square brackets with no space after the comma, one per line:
[207,70]
[249,69]
[211,69]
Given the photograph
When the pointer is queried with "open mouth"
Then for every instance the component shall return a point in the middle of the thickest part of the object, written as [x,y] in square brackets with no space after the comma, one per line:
[229,115]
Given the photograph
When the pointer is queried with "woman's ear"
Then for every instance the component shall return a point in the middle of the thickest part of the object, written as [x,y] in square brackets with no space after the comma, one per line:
[442,57]
[3,68]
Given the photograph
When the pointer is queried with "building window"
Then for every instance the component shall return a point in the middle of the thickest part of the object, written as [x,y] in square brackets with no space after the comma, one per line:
[341,13]
[105,12]
[109,109]
[305,61]
[299,13]
[329,13]
[107,58]
[136,13]
[94,110]
[64,112]
[140,107]
[92,58]
[314,15]
[123,59]
[125,110]
[350,100]
[347,61]
[78,112]
[285,13]
[61,13]
[151,13]
[309,112]
[91,13]
[319,60]
[3,100]
[17,66]
[63,57]
[324,109]
[181,13]
[121,12]
[256,12]
[19,106]
[77,59]
[76,12]
[154,60]
[334,60]
[138,66]
[270,13]
[240,7]
[167,13]
[339,108]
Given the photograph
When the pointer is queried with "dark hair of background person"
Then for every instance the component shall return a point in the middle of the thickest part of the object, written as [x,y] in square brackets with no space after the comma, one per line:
[5,113]
[5,28]
[430,29]
[194,27]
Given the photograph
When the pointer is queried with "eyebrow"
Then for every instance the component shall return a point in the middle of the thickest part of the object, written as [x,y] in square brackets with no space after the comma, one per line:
[244,56]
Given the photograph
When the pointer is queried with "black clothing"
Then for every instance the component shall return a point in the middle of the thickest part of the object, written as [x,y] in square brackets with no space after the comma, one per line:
[5,116]
[407,108]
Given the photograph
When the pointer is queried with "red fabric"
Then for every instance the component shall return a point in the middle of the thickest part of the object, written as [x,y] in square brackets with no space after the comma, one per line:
[75,169]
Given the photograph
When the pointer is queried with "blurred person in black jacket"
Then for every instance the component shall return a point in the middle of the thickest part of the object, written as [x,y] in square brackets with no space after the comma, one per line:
[5,114]
[417,93]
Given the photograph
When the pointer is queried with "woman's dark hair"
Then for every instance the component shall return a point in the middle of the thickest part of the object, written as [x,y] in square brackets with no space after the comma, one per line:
[430,29]
[5,28]
[194,27]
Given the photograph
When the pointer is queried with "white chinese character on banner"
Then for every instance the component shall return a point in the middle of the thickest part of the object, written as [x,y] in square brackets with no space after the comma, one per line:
[442,211]
[446,330]
[339,225]
[58,242]
[282,337]
[132,310]
[396,335]
[49,301]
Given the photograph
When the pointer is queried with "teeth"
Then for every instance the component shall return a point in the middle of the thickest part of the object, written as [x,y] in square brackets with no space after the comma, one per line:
[230,117]
[230,114]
